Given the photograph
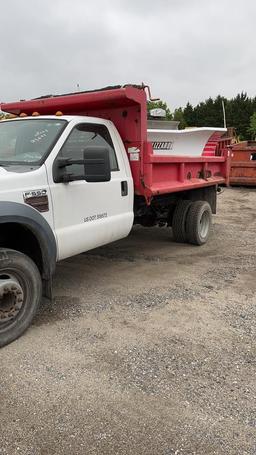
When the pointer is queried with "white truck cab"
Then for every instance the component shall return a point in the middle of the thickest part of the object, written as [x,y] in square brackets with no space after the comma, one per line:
[81,214]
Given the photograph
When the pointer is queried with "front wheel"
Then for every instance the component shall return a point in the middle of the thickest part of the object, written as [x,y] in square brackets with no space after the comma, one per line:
[198,222]
[20,294]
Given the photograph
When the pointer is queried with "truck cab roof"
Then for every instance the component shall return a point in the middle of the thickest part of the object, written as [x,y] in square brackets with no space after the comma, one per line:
[68,118]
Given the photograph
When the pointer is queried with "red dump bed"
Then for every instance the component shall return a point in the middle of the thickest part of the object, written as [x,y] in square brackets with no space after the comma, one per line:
[126,107]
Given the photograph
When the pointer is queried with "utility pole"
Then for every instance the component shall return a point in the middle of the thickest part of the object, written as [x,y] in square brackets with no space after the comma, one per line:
[224,114]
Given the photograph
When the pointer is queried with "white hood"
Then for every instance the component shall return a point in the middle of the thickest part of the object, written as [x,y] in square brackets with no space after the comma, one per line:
[13,184]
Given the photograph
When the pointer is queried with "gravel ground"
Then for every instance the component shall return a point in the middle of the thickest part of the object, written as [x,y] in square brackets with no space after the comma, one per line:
[148,348]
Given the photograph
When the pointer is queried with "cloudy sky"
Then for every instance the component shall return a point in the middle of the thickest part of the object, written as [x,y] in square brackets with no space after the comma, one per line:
[185,49]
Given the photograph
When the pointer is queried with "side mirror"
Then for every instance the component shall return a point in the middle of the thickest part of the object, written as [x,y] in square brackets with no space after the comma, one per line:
[93,167]
[97,164]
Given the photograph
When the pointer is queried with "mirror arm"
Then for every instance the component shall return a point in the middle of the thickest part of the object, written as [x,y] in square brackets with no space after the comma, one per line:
[64,162]
[66,178]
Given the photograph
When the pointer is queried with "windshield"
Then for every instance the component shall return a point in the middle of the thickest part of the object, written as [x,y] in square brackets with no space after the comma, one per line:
[28,141]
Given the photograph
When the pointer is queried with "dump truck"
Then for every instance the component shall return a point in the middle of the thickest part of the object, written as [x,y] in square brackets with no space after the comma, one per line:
[77,171]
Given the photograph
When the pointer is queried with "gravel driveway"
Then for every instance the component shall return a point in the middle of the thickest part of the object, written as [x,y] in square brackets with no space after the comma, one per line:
[149,348]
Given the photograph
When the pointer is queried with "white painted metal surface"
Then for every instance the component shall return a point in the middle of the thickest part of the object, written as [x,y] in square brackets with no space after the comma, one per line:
[189,142]
[14,184]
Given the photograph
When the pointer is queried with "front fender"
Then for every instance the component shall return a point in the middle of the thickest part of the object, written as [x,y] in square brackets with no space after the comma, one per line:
[13,212]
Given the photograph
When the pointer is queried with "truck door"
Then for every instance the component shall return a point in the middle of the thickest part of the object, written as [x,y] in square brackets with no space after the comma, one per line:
[88,215]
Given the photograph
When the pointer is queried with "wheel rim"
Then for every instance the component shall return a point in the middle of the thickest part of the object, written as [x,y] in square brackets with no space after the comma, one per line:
[204,224]
[11,298]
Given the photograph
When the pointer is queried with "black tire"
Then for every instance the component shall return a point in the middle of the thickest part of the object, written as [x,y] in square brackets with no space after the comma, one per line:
[179,221]
[21,293]
[198,223]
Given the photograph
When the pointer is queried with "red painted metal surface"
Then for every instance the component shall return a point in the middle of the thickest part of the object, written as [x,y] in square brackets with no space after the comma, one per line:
[243,164]
[126,107]
[217,143]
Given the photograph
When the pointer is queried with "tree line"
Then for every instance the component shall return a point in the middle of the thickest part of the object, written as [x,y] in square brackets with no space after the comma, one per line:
[240,114]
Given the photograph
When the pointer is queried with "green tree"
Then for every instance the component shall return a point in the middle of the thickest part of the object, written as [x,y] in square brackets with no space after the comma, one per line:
[239,111]
[160,105]
[189,116]
[252,127]
[178,116]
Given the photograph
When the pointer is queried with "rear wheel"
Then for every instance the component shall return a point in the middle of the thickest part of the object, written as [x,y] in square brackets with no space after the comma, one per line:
[179,221]
[198,222]
[20,294]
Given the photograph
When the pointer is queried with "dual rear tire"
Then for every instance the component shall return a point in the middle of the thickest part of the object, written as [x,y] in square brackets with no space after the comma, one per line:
[192,222]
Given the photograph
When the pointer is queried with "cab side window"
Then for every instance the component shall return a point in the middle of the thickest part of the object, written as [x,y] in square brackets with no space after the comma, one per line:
[86,135]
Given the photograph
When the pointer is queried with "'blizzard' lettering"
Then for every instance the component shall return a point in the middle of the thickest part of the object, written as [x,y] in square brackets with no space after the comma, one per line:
[162,145]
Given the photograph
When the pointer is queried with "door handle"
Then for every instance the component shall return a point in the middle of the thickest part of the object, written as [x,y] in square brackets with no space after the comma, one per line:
[124,188]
